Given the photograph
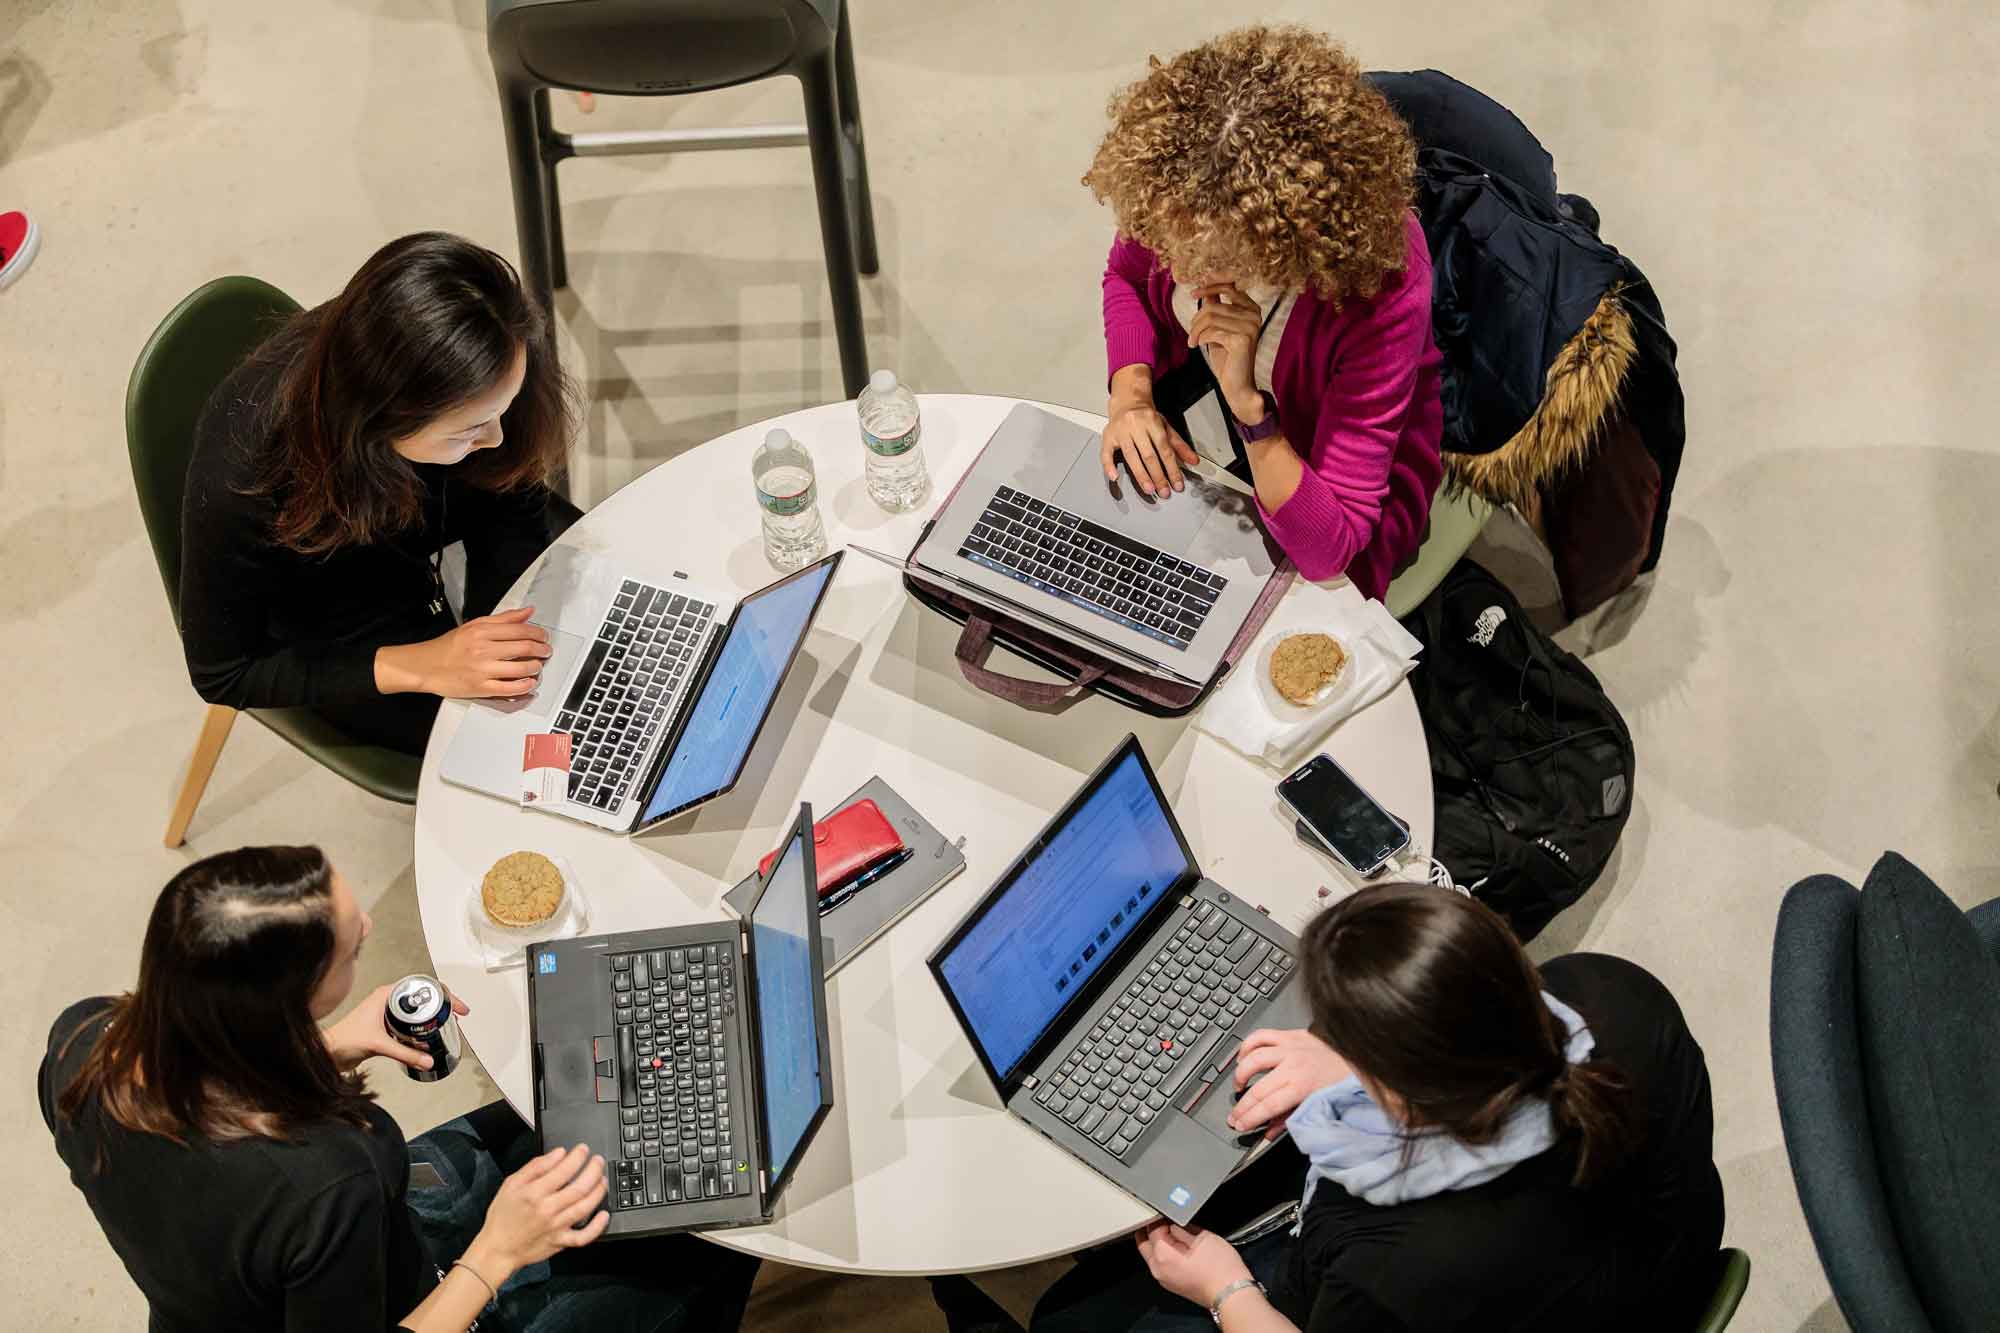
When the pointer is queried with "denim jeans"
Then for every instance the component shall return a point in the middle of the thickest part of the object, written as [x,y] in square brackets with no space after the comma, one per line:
[1110,1291]
[666,1284]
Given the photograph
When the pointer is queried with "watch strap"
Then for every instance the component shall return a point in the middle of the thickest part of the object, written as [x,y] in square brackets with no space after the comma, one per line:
[1264,429]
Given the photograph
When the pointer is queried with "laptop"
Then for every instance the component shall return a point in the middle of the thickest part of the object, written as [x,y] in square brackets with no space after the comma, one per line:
[662,688]
[1105,985]
[1162,584]
[695,1058]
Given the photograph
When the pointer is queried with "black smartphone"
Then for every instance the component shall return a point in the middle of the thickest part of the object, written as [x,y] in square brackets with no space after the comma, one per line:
[1346,819]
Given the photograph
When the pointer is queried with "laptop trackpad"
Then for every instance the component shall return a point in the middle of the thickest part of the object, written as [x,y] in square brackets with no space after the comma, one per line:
[1212,1111]
[1169,523]
[566,650]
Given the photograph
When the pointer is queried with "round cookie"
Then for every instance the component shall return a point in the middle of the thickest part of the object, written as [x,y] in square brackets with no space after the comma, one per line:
[522,889]
[1304,664]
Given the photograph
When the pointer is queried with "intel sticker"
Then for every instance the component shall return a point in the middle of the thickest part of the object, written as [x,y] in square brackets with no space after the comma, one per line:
[1178,1196]
[546,964]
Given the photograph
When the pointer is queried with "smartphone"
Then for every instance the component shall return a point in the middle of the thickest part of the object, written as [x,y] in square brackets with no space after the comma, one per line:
[1345,818]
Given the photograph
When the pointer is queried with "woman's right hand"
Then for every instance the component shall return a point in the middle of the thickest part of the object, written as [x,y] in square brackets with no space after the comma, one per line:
[1153,451]
[492,657]
[1294,1064]
[537,1210]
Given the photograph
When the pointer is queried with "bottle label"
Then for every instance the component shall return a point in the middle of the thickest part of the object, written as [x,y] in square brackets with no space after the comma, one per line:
[785,506]
[895,444]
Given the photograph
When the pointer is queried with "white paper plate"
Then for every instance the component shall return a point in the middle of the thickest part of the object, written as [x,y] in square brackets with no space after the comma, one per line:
[506,946]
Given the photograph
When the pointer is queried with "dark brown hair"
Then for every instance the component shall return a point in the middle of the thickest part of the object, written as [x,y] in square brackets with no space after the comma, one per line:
[218,1038]
[430,322]
[1429,994]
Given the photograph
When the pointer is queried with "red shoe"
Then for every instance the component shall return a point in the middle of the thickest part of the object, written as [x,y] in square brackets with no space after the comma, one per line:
[19,239]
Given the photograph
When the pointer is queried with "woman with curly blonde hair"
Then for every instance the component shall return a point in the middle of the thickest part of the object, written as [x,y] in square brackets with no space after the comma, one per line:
[1262,194]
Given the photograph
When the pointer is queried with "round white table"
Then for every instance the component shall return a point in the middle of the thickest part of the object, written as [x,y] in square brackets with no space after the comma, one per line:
[919,1169]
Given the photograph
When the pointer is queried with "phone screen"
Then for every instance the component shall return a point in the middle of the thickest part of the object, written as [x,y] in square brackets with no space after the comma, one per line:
[1345,817]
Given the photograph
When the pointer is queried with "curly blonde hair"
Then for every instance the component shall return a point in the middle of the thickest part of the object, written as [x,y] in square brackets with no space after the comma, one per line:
[1261,154]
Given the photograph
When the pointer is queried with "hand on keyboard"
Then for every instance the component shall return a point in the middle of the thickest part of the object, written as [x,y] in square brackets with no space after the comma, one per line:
[1293,1065]
[491,657]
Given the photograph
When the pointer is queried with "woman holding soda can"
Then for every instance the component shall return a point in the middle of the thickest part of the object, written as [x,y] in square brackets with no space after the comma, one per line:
[230,1148]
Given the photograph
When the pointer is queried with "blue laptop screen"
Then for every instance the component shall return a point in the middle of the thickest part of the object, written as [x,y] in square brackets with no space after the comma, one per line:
[1068,909]
[737,696]
[788,999]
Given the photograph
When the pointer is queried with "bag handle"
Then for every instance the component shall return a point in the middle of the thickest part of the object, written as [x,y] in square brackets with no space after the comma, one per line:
[977,638]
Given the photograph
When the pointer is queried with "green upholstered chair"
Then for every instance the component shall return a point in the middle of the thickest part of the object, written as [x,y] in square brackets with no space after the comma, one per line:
[1456,520]
[194,349]
[1732,1280]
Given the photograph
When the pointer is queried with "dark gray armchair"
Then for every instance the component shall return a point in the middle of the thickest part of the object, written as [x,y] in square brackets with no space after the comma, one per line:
[666,47]
[1885,1045]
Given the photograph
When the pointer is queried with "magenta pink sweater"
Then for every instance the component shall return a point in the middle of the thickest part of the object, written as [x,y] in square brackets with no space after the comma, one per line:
[1357,394]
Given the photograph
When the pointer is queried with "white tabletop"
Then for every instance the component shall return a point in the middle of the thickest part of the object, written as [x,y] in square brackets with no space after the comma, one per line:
[918,1169]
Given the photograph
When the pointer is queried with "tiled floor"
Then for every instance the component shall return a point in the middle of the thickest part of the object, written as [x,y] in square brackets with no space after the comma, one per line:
[1813,680]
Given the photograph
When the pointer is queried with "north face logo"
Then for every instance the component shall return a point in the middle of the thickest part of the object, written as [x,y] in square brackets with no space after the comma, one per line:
[1490,620]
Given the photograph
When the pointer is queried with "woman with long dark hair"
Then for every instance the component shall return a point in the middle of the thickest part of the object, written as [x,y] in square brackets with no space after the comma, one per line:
[240,1168]
[1488,1146]
[420,407]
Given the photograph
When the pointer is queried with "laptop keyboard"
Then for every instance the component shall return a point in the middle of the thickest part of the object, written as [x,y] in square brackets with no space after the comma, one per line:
[1089,565]
[678,1122]
[636,669]
[1113,1083]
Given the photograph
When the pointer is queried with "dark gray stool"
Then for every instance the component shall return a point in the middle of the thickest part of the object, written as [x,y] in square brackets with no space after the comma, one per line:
[665,47]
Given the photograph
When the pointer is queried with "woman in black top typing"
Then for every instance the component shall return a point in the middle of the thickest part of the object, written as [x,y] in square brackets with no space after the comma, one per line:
[420,407]
[243,1173]
[1488,1147]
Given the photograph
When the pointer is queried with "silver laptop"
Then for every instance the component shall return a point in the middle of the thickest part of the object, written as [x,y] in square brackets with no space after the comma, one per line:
[662,687]
[1105,984]
[1163,584]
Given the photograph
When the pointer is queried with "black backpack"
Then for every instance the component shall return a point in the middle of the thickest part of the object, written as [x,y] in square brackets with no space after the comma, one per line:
[1531,765]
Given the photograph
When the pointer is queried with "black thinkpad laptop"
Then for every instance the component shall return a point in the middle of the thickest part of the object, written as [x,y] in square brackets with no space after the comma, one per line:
[1106,984]
[695,1058]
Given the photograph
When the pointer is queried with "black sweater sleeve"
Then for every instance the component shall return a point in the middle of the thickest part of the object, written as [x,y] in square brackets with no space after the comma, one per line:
[229,582]
[231,577]
[503,531]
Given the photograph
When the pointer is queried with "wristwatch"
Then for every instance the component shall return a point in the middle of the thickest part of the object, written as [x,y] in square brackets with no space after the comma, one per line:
[1264,429]
[1215,1306]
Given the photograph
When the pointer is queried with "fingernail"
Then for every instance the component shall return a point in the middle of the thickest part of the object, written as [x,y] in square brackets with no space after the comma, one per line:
[427,1061]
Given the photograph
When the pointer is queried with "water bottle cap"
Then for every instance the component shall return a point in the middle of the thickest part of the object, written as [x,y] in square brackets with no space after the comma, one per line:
[776,439]
[882,381]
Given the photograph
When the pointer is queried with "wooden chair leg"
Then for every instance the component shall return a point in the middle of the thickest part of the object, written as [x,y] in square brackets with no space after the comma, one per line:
[207,749]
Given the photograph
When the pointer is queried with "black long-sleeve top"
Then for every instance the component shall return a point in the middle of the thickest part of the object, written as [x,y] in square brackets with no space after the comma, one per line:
[266,627]
[308,1236]
[1527,1251]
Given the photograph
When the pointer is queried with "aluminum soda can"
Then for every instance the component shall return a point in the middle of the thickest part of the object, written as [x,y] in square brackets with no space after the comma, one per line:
[419,1015]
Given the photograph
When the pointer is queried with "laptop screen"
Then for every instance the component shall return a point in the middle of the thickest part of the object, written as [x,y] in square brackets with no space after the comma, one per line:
[1041,936]
[725,718]
[789,994]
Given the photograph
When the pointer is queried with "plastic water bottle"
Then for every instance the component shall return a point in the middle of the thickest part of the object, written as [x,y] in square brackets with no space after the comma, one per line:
[788,493]
[892,432]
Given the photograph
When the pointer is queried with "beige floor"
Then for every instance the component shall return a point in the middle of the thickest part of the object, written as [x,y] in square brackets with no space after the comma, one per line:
[1813,680]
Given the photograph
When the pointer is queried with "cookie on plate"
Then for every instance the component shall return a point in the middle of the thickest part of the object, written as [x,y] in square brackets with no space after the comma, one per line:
[522,889]
[1304,664]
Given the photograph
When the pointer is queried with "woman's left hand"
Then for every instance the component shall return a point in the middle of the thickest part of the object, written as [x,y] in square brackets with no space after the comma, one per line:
[1194,1265]
[364,1032]
[1227,325]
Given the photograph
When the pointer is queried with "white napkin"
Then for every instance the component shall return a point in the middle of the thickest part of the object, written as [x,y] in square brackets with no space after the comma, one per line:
[501,947]
[1248,714]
